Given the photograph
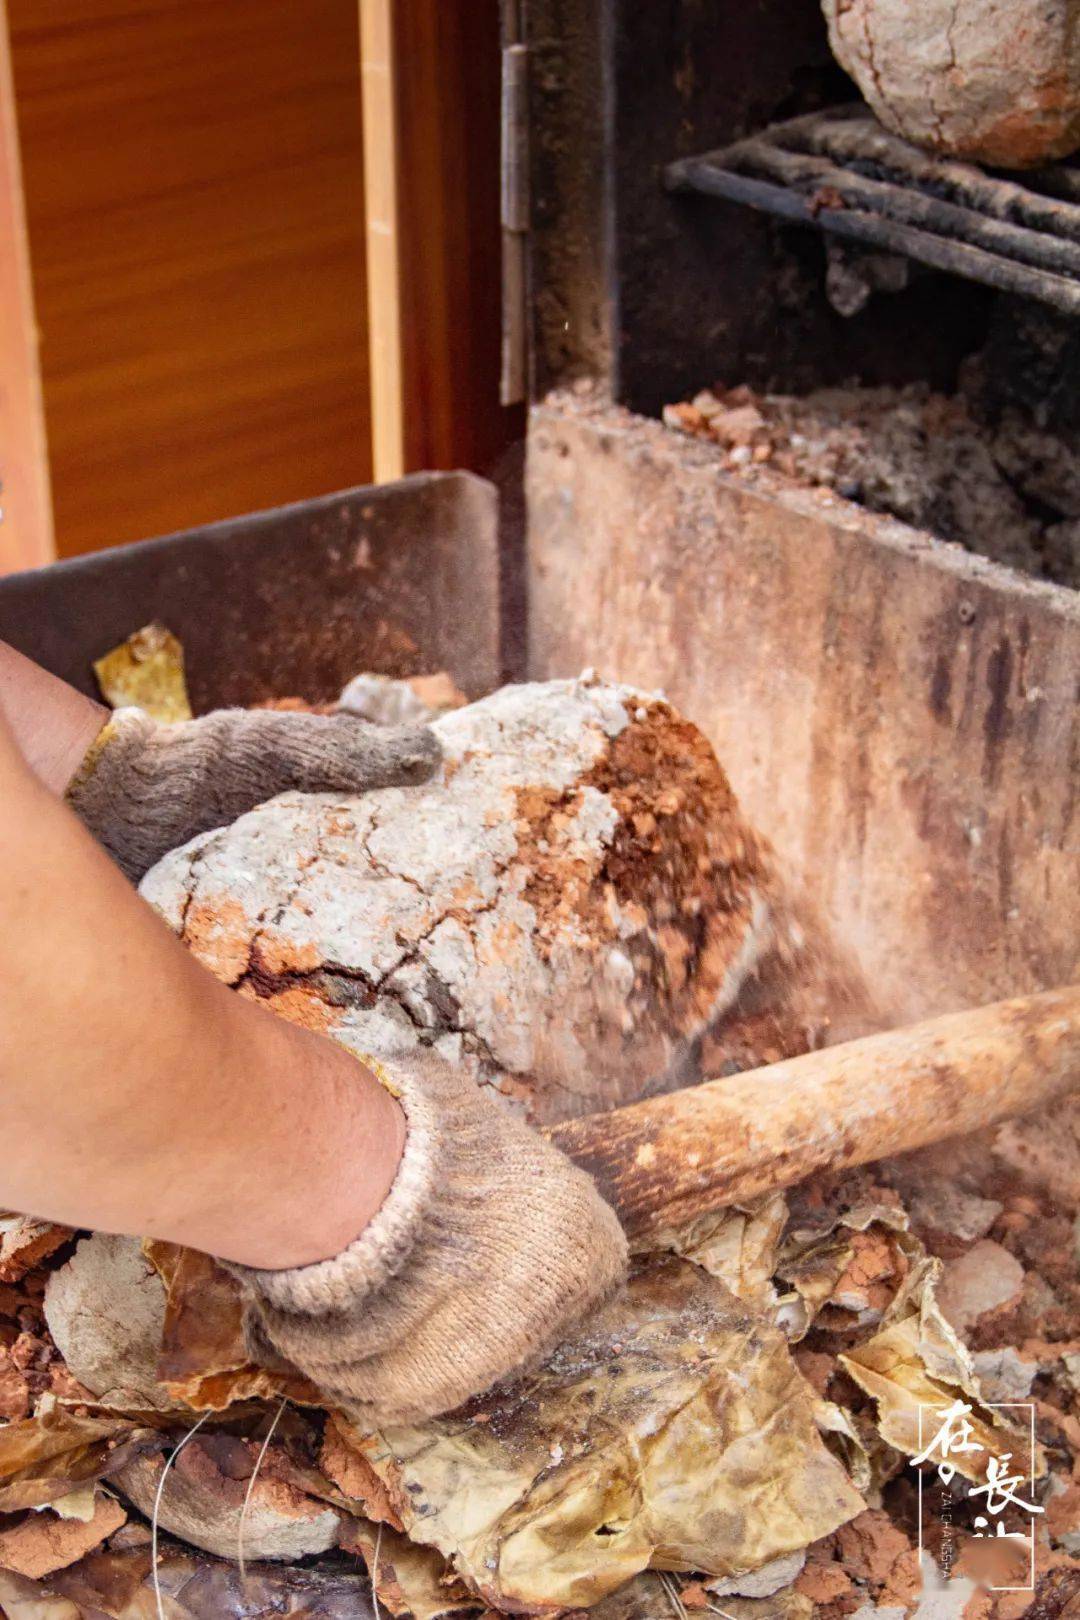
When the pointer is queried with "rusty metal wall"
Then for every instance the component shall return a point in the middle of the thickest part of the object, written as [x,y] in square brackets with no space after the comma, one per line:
[898,716]
[571,297]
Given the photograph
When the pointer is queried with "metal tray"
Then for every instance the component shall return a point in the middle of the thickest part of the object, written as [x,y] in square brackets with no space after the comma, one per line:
[401,579]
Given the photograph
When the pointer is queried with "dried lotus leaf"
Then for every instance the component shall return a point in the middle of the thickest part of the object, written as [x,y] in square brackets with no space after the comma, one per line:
[841,1435]
[408,1579]
[195,1586]
[916,1368]
[674,1432]
[819,1250]
[49,1455]
[738,1245]
[204,1361]
[812,1274]
[146,672]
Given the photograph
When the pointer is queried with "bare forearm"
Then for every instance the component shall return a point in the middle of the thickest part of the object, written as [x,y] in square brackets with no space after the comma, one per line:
[137,1094]
[51,723]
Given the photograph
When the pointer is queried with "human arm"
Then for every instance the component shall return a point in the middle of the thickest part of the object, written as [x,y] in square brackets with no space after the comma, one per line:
[403,1257]
[139,1095]
[51,724]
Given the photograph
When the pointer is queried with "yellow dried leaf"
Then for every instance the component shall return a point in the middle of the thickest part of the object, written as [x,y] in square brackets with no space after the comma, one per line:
[916,1368]
[674,1432]
[146,672]
[837,1427]
[80,1503]
[408,1579]
[738,1245]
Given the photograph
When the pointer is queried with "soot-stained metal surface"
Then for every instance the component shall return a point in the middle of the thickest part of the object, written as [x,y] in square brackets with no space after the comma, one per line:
[402,579]
[654,293]
[898,716]
[840,172]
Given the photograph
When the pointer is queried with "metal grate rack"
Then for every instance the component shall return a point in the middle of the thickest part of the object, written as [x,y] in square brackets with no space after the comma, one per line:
[840,171]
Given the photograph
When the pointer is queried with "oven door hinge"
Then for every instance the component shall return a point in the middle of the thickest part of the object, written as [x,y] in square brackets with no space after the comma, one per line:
[515,220]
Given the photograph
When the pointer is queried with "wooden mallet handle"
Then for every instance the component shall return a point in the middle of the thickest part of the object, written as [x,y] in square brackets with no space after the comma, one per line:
[666,1160]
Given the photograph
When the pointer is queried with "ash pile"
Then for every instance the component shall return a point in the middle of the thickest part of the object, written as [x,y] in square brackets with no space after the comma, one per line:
[998,484]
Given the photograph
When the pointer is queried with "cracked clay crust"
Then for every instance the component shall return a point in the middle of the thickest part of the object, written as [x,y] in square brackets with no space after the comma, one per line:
[564,909]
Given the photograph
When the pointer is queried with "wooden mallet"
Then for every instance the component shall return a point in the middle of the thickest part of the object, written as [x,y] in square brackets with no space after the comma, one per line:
[664,1161]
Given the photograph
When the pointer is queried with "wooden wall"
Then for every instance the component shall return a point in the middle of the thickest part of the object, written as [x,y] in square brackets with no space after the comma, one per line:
[26,538]
[194,196]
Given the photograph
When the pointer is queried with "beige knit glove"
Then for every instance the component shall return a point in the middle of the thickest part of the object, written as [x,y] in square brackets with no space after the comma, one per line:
[489,1247]
[145,788]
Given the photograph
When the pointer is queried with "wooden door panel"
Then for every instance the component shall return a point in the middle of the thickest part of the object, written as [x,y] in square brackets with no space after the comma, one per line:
[194,195]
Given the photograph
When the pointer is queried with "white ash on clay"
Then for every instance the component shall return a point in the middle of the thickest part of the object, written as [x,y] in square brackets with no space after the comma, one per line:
[565,908]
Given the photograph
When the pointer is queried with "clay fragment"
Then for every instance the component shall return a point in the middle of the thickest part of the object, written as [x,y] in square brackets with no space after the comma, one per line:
[874,1551]
[24,1243]
[342,1460]
[1003,488]
[986,1278]
[1003,1374]
[942,1207]
[204,1495]
[14,1389]
[42,1543]
[105,1309]
[413,701]
[760,1583]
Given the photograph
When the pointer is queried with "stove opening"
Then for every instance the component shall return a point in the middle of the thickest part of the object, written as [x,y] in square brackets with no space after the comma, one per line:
[776,273]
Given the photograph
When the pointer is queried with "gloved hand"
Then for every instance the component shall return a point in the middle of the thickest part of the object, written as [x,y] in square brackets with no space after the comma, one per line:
[145,788]
[488,1248]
